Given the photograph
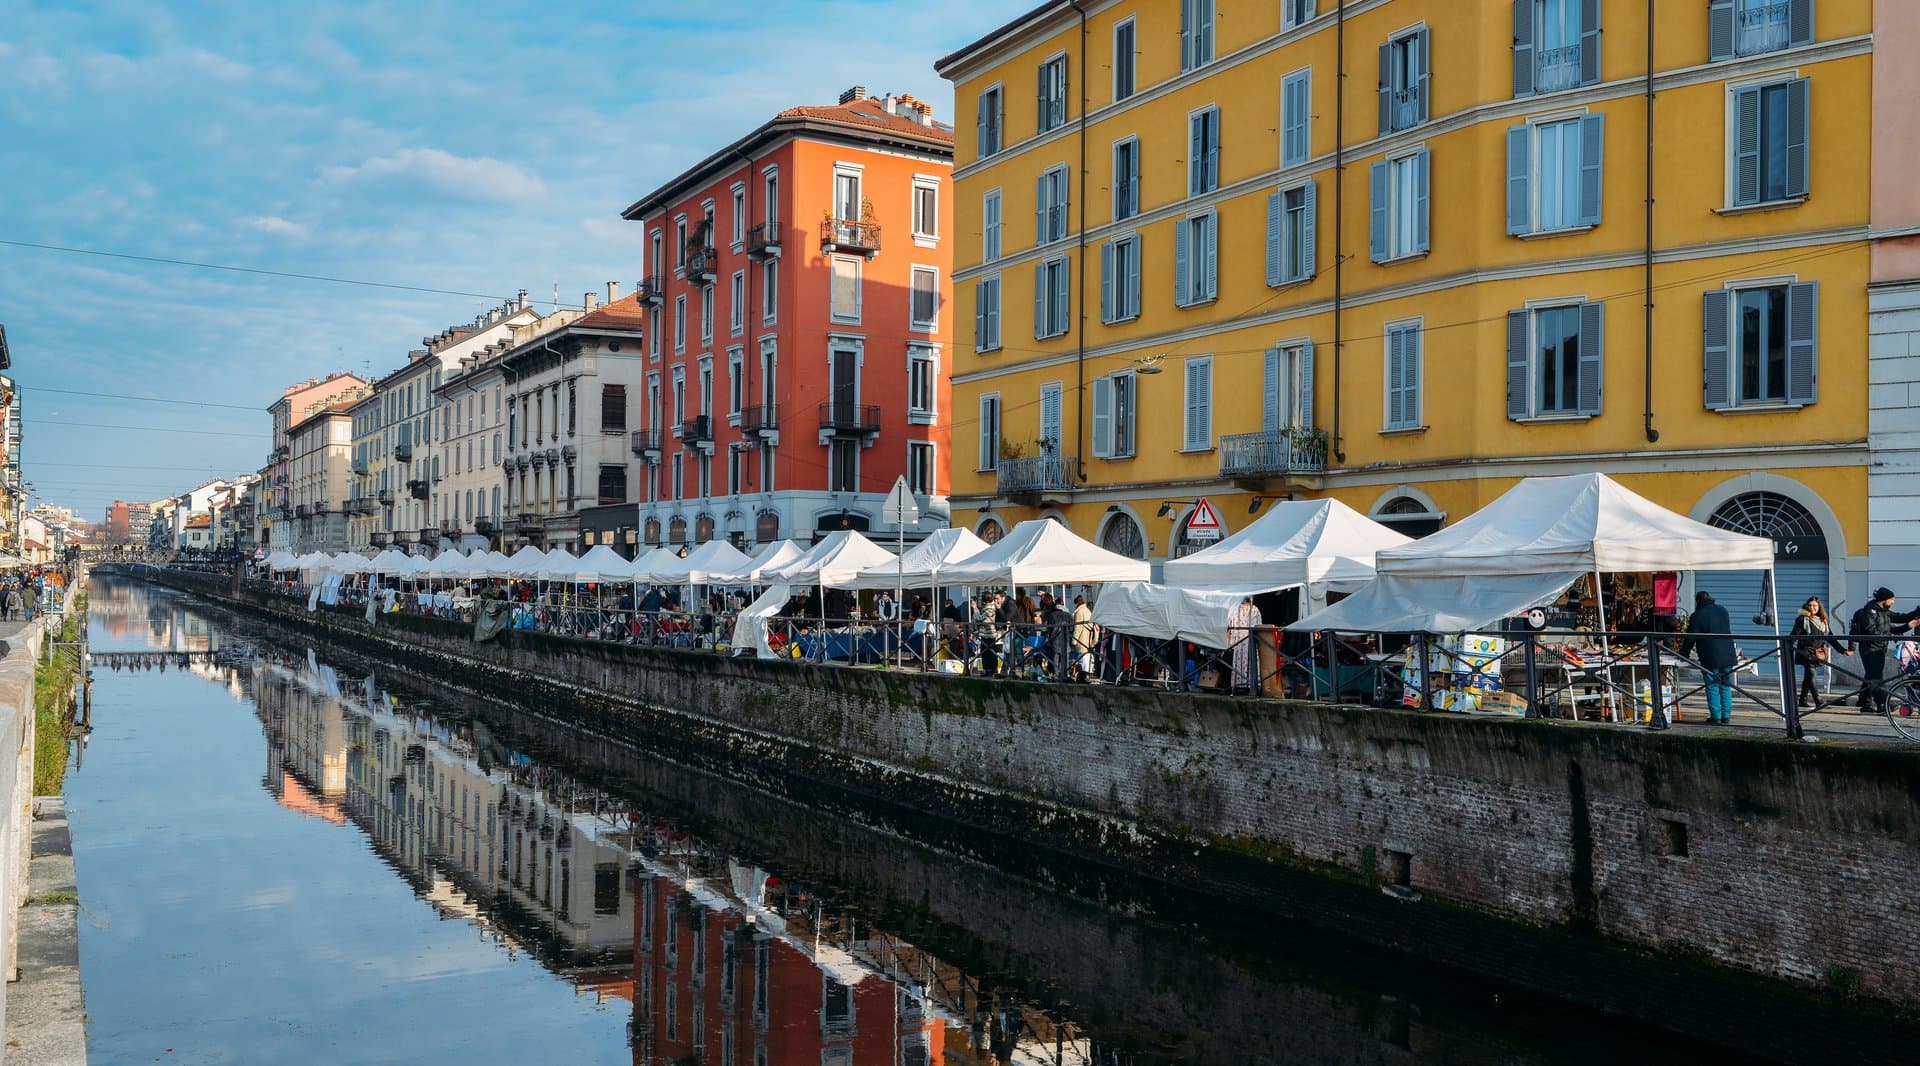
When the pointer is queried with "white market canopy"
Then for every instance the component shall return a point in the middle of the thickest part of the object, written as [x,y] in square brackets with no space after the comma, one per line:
[1143,610]
[1298,542]
[558,565]
[924,564]
[656,560]
[1041,551]
[834,561]
[449,566]
[391,561]
[1527,547]
[706,565]
[602,565]
[349,563]
[524,562]
[778,553]
[280,560]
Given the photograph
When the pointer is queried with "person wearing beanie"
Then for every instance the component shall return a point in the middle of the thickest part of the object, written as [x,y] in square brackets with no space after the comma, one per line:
[1877,621]
[1710,641]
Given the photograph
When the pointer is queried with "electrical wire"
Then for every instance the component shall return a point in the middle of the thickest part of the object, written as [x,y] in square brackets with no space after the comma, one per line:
[144,429]
[143,399]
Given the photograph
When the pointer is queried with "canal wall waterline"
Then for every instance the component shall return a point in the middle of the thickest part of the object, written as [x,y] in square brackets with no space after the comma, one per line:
[1786,860]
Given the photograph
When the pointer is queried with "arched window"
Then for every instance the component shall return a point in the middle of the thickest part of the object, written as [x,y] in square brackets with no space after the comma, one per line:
[677,530]
[766,527]
[1410,516]
[1122,536]
[703,529]
[990,530]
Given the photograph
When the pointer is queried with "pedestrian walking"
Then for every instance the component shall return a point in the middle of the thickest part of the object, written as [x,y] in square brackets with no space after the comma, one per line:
[1085,636]
[12,601]
[1710,643]
[992,627]
[1814,648]
[1877,621]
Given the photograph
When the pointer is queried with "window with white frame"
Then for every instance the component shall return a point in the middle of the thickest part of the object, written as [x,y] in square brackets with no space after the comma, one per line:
[926,210]
[680,243]
[988,425]
[1403,358]
[736,380]
[1738,28]
[653,332]
[770,196]
[923,384]
[1554,361]
[1291,233]
[1195,259]
[680,323]
[1052,94]
[1197,424]
[1405,63]
[1050,219]
[769,291]
[1554,174]
[739,215]
[1399,206]
[1196,33]
[1287,392]
[846,288]
[737,303]
[1114,412]
[1203,151]
[1768,146]
[920,470]
[1120,279]
[1762,346]
[1125,44]
[986,314]
[1051,302]
[990,226]
[706,314]
[846,194]
[925,299]
[656,255]
[1296,118]
[1295,12]
[991,121]
[1556,45]
[1126,178]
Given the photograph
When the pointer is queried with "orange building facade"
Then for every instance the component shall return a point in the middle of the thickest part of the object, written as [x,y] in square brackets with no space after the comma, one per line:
[798,336]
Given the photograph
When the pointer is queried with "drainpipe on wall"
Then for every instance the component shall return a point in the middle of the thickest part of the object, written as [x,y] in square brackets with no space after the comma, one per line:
[1080,353]
[1336,446]
[1652,434]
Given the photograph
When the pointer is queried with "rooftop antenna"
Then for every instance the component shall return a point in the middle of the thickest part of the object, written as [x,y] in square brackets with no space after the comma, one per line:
[556,296]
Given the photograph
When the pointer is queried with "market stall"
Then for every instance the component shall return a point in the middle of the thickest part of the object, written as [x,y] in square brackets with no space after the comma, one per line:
[1317,545]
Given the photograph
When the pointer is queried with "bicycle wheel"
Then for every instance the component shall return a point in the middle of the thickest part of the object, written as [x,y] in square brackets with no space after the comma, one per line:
[1903,708]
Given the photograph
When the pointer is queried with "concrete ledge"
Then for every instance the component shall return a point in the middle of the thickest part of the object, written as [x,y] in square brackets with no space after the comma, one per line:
[46,1007]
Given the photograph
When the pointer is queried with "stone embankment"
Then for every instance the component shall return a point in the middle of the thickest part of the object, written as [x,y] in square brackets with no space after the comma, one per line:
[1595,847]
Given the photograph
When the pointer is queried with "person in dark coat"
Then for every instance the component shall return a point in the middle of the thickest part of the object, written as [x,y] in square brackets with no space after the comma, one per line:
[1710,643]
[1814,648]
[1877,619]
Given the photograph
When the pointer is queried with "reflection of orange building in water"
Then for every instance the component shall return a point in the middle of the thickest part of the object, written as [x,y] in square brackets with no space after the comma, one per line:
[715,985]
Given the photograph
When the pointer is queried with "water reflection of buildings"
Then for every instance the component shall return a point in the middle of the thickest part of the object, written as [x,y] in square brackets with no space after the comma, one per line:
[124,607]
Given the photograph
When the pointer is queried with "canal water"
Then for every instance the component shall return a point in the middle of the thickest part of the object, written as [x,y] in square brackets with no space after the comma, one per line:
[286,855]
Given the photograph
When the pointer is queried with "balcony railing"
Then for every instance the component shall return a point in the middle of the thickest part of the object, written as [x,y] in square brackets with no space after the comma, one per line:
[703,264]
[1762,28]
[763,240]
[1556,68]
[850,418]
[302,510]
[845,235]
[386,497]
[1035,474]
[527,522]
[403,452]
[760,421]
[418,488]
[484,526]
[1273,453]
[646,442]
[696,430]
[358,466]
[653,290]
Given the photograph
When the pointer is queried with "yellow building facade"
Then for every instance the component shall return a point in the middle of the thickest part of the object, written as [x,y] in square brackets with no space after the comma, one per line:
[1196,268]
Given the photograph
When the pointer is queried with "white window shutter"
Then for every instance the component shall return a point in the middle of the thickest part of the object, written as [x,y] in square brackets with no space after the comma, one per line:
[1102,417]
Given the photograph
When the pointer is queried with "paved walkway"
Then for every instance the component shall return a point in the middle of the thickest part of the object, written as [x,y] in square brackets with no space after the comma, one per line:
[46,1008]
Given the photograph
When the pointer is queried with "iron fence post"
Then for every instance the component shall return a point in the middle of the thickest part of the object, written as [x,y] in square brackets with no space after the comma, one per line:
[1426,673]
[1657,718]
[1531,657]
[1790,702]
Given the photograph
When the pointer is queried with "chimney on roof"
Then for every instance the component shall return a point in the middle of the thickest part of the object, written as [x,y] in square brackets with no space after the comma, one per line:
[592,300]
[858,92]
[613,291]
[925,112]
[521,301]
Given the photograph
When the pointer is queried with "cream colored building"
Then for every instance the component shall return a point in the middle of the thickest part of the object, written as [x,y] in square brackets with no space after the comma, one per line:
[319,473]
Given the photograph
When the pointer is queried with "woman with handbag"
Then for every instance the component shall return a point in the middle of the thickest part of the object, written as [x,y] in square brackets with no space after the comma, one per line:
[1814,647]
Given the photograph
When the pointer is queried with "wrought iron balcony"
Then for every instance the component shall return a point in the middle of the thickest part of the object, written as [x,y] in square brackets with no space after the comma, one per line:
[762,421]
[403,536]
[1035,475]
[403,452]
[703,264]
[359,466]
[1273,453]
[846,235]
[527,522]
[850,419]
[386,497]
[428,533]
[378,540]
[646,443]
[322,507]
[763,240]
[418,488]
[484,525]
[302,510]
[697,430]
[653,290]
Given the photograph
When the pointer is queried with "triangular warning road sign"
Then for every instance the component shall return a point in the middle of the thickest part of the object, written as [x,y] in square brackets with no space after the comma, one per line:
[1204,517]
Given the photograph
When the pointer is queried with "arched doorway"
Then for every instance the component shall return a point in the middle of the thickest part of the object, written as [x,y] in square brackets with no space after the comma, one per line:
[1800,558]
[991,530]
[1122,536]
[766,527]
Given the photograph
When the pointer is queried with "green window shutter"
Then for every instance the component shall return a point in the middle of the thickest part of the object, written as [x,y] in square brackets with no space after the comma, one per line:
[1803,342]
[1716,362]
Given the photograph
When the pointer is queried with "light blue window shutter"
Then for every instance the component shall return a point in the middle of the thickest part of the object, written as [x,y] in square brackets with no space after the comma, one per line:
[1589,41]
[1305,399]
[1803,342]
[1420,214]
[1213,254]
[983,107]
[1106,282]
[980,317]
[1270,391]
[1206,405]
[1119,186]
[1292,118]
[1799,97]
[1000,114]
[1423,62]
[1061,310]
[1379,212]
[1396,378]
[992,212]
[1799,22]
[1746,152]
[1050,412]
[1273,239]
[1203,32]
[1386,88]
[1309,229]
[1416,338]
[1719,30]
[1191,434]
[1213,149]
[1040,122]
[1132,288]
[1182,263]
[993,312]
[1133,179]
[1519,180]
[1519,361]
[1186,34]
[1593,142]
[1041,190]
[1040,300]
[1196,154]
[1523,47]
[1102,417]
[1716,362]
[1593,351]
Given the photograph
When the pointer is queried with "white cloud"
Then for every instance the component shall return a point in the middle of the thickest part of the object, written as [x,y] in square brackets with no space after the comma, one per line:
[279,227]
[481,178]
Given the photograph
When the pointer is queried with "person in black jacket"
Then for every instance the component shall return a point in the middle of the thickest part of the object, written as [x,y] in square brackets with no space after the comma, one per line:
[1814,648]
[1877,619]
[1710,642]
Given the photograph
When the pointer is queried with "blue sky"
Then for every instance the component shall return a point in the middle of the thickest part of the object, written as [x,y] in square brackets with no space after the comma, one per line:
[474,147]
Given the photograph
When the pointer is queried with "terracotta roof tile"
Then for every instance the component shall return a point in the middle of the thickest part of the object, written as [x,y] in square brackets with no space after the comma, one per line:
[624,313]
[869,113]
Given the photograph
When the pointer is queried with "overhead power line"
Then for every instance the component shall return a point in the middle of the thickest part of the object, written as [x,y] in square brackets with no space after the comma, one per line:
[144,399]
[143,429]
